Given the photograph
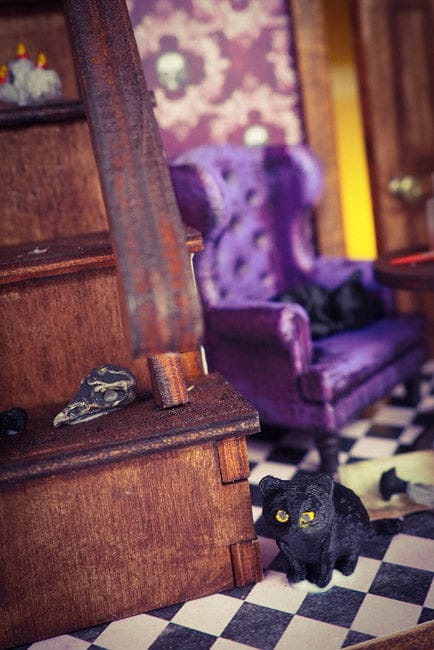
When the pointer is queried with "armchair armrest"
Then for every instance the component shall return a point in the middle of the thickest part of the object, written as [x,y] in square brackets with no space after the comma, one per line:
[273,324]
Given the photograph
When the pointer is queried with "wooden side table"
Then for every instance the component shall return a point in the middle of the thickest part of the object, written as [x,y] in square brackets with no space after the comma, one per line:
[415,274]
[409,270]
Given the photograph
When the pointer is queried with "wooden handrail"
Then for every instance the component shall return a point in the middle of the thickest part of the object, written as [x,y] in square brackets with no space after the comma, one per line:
[160,303]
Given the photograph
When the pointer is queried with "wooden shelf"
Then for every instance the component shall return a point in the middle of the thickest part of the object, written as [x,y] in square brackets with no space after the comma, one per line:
[215,411]
[69,255]
[16,116]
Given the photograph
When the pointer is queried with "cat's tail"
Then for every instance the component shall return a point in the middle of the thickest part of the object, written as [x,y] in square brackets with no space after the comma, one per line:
[390,526]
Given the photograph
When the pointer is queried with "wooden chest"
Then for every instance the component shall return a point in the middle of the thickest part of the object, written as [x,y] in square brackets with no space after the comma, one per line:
[125,513]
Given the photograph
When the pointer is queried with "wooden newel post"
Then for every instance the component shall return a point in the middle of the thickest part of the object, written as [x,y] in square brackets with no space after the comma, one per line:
[160,305]
[167,378]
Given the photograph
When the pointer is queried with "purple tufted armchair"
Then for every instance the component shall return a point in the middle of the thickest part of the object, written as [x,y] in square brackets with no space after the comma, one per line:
[253,207]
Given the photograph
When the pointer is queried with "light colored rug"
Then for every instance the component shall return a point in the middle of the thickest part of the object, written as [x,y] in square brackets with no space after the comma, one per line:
[364,477]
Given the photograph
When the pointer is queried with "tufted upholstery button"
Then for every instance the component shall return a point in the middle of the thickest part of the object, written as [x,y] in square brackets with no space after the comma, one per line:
[240,266]
[235,222]
[260,239]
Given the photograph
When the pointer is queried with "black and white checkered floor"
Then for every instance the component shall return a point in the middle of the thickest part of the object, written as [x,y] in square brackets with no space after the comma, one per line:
[392,588]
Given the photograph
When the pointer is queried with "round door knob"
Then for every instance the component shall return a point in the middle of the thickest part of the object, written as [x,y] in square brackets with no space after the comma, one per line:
[407,188]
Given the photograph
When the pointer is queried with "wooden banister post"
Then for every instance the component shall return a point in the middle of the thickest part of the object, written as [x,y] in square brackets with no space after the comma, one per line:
[160,304]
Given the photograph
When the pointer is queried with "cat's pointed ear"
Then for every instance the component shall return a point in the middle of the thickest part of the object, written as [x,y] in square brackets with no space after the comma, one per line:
[325,481]
[269,485]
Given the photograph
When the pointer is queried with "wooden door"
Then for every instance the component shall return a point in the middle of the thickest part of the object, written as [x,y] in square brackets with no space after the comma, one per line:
[395,55]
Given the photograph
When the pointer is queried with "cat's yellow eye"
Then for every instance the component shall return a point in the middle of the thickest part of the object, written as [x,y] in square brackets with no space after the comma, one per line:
[282,516]
[306,518]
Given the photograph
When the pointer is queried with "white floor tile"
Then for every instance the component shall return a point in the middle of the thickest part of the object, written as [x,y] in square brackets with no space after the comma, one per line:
[274,591]
[227,644]
[393,415]
[256,512]
[379,616]
[63,642]
[363,576]
[371,447]
[311,461]
[428,367]
[410,435]
[210,614]
[279,470]
[312,635]
[356,429]
[409,551]
[134,633]
[426,404]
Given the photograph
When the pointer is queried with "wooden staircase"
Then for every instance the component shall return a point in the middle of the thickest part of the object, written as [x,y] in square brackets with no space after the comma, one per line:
[149,505]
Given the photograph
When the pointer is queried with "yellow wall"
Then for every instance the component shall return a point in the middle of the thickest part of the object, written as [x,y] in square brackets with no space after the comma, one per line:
[355,195]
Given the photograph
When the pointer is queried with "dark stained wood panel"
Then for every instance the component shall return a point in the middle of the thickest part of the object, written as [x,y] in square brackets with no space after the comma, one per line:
[395,51]
[50,184]
[100,544]
[308,29]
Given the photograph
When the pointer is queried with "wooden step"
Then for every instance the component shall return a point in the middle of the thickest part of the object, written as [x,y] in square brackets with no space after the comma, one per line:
[51,258]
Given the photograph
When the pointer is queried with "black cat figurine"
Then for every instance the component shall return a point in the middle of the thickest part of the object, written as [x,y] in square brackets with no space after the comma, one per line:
[319,525]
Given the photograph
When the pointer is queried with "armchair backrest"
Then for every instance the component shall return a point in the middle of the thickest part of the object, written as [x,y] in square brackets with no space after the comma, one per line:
[257,220]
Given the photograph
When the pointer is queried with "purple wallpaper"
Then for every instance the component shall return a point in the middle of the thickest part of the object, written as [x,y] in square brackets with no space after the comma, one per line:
[221,70]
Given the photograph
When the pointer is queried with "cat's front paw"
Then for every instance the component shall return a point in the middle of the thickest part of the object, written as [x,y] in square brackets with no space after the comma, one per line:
[296,575]
[347,565]
[320,576]
[323,581]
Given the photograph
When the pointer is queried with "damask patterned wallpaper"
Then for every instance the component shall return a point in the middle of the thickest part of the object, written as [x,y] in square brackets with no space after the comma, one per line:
[221,70]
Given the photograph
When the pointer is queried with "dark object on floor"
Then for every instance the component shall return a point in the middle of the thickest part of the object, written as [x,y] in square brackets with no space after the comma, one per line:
[319,525]
[348,306]
[13,421]
[391,484]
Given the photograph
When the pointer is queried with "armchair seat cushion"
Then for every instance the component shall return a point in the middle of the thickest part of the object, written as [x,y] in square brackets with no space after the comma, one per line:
[343,362]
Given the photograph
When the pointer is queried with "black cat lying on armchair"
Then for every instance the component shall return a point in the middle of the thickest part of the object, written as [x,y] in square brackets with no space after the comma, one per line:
[319,525]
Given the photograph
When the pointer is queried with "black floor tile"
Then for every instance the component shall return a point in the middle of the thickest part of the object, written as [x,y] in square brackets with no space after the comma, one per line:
[419,524]
[239,592]
[337,606]
[347,443]
[260,627]
[401,583]
[384,431]
[287,455]
[427,614]
[90,633]
[175,637]
[167,613]
[375,546]
[354,637]
[424,419]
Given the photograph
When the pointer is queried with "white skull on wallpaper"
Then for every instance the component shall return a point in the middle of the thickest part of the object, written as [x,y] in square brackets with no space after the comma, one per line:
[172,70]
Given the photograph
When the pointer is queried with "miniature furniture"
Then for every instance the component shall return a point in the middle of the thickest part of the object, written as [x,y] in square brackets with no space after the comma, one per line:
[149,505]
[253,207]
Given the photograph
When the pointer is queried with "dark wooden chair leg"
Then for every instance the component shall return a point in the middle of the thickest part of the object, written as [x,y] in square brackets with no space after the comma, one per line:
[328,445]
